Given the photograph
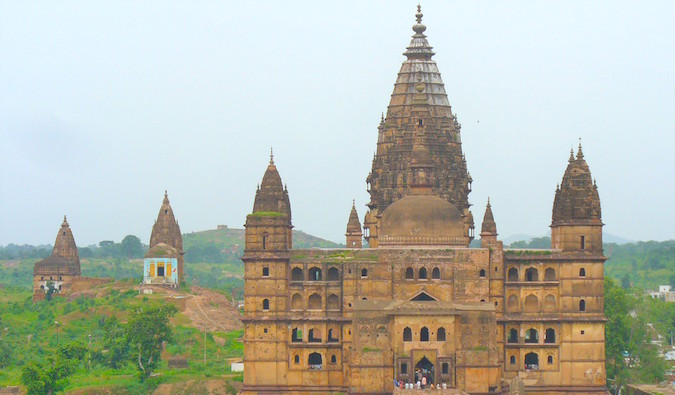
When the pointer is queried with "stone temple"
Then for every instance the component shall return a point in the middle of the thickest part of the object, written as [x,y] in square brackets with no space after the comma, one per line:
[418,304]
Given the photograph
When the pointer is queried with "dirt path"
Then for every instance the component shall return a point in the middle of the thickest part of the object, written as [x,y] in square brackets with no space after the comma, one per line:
[212,311]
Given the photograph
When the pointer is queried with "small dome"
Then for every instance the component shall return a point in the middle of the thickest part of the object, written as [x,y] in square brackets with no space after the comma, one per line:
[422,219]
[162,250]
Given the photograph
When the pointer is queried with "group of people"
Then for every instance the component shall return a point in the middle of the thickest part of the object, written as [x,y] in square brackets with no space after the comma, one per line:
[424,379]
[419,384]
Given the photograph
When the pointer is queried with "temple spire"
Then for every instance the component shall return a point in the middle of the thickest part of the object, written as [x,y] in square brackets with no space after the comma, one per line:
[580,154]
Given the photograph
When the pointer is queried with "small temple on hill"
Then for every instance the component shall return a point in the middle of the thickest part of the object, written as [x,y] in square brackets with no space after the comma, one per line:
[56,272]
[163,263]
[417,304]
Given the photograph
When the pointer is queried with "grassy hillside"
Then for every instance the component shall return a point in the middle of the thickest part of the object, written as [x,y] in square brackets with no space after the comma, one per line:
[31,332]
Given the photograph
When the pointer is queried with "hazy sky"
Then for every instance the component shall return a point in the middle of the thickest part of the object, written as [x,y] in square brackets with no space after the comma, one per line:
[105,104]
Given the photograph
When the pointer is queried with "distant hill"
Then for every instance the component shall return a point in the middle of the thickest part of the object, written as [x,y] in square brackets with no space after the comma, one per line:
[227,244]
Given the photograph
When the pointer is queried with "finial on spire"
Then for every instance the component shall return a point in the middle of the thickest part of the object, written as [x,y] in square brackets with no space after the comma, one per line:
[571,154]
[271,156]
[166,197]
[580,154]
[419,28]
[382,118]
[489,202]
[65,221]
[354,203]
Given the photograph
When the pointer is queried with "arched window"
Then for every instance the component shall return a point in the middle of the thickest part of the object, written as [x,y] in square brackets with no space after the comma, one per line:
[513,274]
[445,368]
[296,302]
[314,302]
[532,361]
[333,274]
[436,274]
[331,337]
[550,359]
[60,277]
[582,272]
[440,335]
[266,304]
[513,336]
[423,274]
[364,273]
[582,305]
[333,302]
[409,273]
[531,303]
[481,273]
[296,359]
[333,359]
[296,335]
[549,303]
[531,274]
[314,336]
[314,274]
[424,334]
[550,336]
[512,359]
[531,336]
[315,361]
[266,271]
[296,274]
[407,334]
[513,303]
[549,274]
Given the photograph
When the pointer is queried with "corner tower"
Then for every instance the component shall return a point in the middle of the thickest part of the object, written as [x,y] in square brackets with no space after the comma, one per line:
[576,224]
[266,292]
[166,231]
[419,113]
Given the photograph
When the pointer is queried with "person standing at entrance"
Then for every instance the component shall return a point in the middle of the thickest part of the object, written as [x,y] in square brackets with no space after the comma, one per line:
[424,381]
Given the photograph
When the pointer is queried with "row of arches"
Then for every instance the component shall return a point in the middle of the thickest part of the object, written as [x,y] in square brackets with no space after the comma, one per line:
[532,336]
[532,274]
[424,334]
[531,360]
[314,302]
[423,274]
[315,274]
[532,303]
[314,360]
[314,336]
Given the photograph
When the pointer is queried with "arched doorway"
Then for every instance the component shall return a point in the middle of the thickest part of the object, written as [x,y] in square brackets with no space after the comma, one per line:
[424,368]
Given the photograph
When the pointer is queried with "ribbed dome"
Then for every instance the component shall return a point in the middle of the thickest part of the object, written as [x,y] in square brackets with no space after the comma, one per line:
[422,219]
[576,199]
[271,195]
[353,225]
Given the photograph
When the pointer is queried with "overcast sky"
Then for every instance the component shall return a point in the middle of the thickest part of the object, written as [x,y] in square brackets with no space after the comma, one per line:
[105,104]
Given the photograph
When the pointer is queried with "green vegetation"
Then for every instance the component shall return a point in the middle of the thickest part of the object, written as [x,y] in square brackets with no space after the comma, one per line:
[633,322]
[29,342]
[645,264]
[266,214]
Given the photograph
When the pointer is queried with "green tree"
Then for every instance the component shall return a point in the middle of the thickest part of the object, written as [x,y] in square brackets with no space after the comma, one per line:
[131,247]
[115,342]
[6,354]
[147,329]
[51,290]
[48,377]
[625,281]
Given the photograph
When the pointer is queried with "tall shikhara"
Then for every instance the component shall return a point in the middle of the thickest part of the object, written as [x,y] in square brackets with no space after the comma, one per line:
[166,230]
[419,107]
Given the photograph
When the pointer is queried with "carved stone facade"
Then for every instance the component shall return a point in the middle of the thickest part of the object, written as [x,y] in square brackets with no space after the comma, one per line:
[59,269]
[419,304]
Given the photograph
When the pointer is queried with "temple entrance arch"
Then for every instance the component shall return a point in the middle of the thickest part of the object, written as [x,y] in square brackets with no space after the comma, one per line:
[424,366]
